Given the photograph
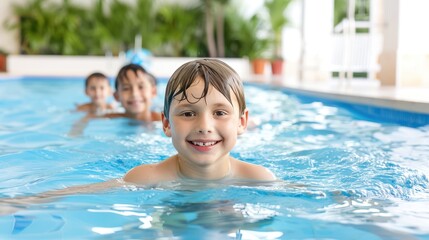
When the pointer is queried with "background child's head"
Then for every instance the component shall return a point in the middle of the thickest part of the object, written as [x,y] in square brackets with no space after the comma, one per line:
[122,74]
[97,87]
[135,88]
[213,72]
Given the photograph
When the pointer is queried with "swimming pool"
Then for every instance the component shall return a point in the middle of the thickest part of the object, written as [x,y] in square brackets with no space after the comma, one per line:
[346,174]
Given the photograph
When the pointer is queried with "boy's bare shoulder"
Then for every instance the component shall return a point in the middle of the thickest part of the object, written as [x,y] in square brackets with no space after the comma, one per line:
[83,107]
[251,171]
[152,173]
[156,116]
[141,174]
[111,106]
[114,115]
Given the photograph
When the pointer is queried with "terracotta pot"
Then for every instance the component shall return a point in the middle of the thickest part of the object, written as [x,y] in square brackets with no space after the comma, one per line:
[277,67]
[2,63]
[258,66]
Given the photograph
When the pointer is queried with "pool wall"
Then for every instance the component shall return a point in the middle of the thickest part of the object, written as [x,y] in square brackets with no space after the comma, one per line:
[407,113]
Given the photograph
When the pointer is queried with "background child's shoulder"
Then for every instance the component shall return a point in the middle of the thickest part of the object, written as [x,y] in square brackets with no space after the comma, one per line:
[83,107]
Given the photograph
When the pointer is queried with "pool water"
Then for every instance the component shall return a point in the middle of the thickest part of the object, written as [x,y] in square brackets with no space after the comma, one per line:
[344,175]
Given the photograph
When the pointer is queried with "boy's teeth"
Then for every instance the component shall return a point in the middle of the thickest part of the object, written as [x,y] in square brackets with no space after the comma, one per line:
[203,143]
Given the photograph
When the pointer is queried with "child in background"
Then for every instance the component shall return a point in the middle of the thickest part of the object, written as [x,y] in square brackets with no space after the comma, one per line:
[135,89]
[97,88]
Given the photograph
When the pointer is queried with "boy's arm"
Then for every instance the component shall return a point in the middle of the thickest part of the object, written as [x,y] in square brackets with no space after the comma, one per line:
[83,107]
[79,126]
[87,188]
[10,205]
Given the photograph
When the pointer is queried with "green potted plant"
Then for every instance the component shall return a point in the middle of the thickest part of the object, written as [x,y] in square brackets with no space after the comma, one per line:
[257,46]
[257,57]
[246,40]
[3,60]
[276,11]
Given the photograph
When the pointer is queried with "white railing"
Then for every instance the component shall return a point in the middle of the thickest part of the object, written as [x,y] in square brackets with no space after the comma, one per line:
[355,53]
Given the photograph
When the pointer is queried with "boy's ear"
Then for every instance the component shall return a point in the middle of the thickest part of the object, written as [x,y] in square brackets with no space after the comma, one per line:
[166,125]
[242,124]
[116,95]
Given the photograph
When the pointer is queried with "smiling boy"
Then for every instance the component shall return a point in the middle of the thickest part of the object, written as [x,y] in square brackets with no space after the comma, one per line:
[135,89]
[204,113]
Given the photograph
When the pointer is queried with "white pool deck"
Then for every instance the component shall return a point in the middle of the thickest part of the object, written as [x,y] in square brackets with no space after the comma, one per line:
[414,99]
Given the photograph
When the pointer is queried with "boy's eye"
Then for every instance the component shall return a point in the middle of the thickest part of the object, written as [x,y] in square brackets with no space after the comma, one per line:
[220,113]
[188,114]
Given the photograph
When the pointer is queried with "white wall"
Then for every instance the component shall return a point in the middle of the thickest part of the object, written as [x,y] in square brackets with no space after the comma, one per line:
[32,65]
[413,26]
[318,28]
[413,43]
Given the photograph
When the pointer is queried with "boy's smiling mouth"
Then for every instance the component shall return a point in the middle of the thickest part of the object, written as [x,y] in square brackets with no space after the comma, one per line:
[203,146]
[135,103]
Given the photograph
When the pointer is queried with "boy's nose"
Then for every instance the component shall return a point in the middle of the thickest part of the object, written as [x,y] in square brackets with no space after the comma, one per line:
[205,124]
[96,93]
[204,131]
[135,92]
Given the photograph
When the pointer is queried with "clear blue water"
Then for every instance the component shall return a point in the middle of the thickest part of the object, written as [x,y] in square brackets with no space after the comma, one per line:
[345,175]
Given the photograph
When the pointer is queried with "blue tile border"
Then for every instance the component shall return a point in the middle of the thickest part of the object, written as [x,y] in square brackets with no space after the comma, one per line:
[371,112]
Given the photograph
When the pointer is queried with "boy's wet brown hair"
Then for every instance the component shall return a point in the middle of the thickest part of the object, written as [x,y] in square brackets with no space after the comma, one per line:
[213,72]
[122,74]
[95,75]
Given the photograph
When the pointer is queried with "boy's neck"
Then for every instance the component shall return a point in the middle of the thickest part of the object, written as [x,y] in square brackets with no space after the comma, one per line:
[203,173]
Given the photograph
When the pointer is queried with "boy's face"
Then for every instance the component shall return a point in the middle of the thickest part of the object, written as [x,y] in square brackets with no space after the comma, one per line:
[135,93]
[204,130]
[98,89]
